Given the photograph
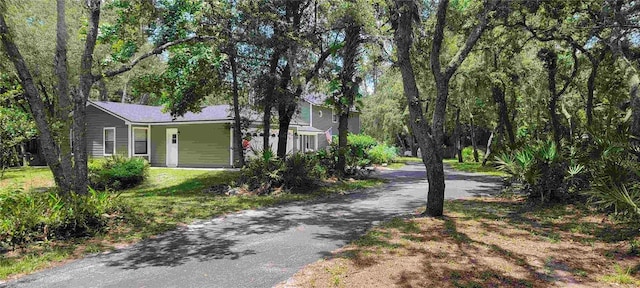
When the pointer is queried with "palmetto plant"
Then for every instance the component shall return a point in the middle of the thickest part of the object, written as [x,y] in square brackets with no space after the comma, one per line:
[618,197]
[538,167]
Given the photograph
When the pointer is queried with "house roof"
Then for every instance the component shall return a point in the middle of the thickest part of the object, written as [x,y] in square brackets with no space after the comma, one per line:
[154,114]
[318,99]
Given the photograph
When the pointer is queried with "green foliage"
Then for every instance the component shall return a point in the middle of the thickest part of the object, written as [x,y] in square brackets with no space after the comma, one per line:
[16,126]
[382,153]
[117,172]
[302,171]
[298,172]
[384,114]
[362,150]
[539,167]
[34,216]
[361,141]
[467,154]
[615,176]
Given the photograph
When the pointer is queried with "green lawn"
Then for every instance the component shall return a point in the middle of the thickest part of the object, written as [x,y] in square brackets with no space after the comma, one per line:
[170,197]
[399,162]
[474,167]
[27,178]
[453,163]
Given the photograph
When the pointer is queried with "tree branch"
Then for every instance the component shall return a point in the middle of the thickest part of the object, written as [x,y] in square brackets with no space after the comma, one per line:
[471,40]
[155,51]
[438,37]
[573,73]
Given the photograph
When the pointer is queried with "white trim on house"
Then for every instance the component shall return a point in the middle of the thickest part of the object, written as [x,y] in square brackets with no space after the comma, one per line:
[134,141]
[129,140]
[309,133]
[231,146]
[182,122]
[104,147]
[310,115]
[149,144]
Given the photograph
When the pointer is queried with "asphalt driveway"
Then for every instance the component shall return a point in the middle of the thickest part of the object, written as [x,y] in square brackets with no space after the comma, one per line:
[256,248]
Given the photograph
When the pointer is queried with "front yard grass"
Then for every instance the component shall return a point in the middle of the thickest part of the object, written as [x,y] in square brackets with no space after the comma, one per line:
[169,198]
[487,242]
[399,162]
[473,167]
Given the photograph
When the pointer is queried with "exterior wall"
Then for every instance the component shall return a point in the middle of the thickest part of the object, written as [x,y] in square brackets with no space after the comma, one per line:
[325,122]
[96,121]
[199,145]
[305,111]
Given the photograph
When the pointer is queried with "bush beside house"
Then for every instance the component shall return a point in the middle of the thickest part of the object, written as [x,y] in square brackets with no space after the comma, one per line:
[117,172]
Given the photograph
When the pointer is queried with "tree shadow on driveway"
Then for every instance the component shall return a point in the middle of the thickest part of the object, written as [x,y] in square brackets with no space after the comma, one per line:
[314,227]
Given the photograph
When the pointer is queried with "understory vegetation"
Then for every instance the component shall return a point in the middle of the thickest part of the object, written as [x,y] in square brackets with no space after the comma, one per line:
[301,172]
[605,171]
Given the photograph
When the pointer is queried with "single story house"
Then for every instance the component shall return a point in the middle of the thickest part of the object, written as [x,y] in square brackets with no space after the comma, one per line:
[194,140]
[203,139]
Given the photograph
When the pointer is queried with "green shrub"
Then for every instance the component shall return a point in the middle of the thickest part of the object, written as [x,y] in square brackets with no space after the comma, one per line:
[362,150]
[467,154]
[540,167]
[382,153]
[117,172]
[35,216]
[302,171]
[615,176]
[361,141]
[297,172]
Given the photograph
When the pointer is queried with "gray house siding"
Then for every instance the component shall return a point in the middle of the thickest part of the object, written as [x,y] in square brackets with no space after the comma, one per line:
[322,120]
[199,145]
[97,120]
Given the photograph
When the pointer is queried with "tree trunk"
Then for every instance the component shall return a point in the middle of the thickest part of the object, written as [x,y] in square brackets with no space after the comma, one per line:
[474,143]
[349,89]
[23,154]
[343,131]
[285,114]
[488,152]
[267,102]
[414,145]
[81,181]
[104,92]
[635,112]
[430,138]
[551,62]
[458,137]
[238,151]
[144,99]
[62,88]
[499,98]
[591,83]
[266,127]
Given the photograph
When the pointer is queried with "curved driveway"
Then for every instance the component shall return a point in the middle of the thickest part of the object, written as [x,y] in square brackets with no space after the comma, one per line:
[256,248]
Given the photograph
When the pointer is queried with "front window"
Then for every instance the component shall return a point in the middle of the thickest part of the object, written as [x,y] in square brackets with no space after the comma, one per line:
[140,138]
[109,139]
[334,116]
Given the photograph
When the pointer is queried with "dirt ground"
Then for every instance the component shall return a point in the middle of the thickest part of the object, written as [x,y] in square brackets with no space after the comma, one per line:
[487,243]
